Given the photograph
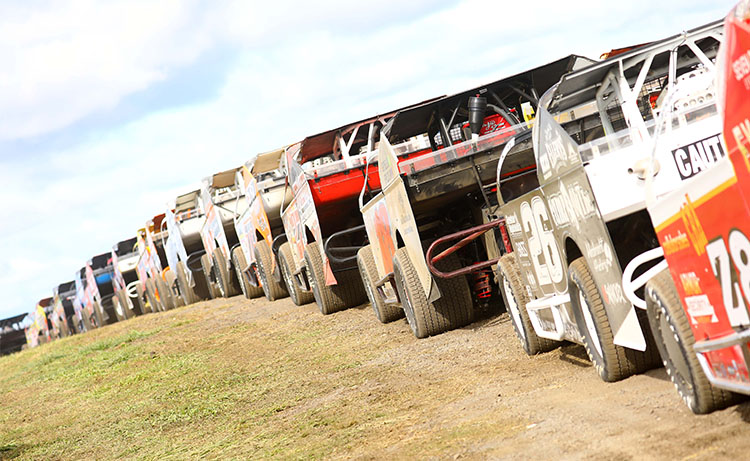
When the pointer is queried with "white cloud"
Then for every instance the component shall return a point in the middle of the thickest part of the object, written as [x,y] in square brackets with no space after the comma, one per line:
[301,68]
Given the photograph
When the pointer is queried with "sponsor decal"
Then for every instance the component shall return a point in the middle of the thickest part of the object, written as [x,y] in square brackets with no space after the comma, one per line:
[514,227]
[558,152]
[700,309]
[600,252]
[691,284]
[741,69]
[571,205]
[737,371]
[674,244]
[532,281]
[741,133]
[698,156]
[613,294]
[693,226]
[521,249]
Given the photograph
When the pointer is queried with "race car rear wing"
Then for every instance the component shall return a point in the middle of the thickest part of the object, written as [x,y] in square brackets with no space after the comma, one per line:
[440,118]
[581,86]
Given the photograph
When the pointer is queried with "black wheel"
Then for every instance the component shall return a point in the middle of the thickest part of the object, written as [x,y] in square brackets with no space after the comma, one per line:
[264,262]
[151,296]
[174,288]
[213,291]
[186,291]
[225,279]
[240,263]
[675,341]
[454,309]
[348,292]
[98,317]
[286,263]
[368,271]
[166,299]
[516,298]
[142,298]
[611,361]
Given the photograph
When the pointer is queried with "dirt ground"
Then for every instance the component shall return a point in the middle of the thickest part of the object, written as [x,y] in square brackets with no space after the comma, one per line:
[563,409]
[291,383]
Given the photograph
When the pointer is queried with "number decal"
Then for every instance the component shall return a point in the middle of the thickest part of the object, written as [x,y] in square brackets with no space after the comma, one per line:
[734,304]
[543,249]
[549,244]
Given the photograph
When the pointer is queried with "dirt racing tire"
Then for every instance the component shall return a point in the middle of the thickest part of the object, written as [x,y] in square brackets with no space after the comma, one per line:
[213,291]
[264,262]
[225,279]
[515,299]
[348,291]
[186,291]
[675,341]
[98,317]
[151,296]
[142,298]
[240,263]
[453,310]
[612,362]
[299,296]
[165,294]
[385,313]
[171,279]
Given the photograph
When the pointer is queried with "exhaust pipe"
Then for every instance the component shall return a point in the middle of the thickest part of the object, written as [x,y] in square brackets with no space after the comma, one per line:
[477,108]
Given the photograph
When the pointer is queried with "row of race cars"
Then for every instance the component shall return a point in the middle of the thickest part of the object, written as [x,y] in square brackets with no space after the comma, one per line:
[601,202]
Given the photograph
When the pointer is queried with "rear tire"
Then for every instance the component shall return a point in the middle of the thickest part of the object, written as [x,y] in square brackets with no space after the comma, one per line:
[515,299]
[385,313]
[142,298]
[224,278]
[286,262]
[186,291]
[171,279]
[675,340]
[165,294]
[348,292]
[264,262]
[611,361]
[98,317]
[453,310]
[240,264]
[213,292]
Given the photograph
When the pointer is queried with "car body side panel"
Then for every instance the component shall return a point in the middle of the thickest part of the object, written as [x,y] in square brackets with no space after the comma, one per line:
[401,216]
[301,214]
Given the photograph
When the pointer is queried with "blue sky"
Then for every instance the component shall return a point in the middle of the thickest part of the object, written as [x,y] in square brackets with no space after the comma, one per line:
[109,109]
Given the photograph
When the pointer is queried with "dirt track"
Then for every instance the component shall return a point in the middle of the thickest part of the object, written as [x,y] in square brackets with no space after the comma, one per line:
[553,405]
[251,379]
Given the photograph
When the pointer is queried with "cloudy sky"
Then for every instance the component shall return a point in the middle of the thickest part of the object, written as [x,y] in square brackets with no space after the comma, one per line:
[109,109]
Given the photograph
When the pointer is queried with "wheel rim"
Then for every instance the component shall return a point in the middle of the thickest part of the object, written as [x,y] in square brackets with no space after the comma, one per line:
[240,276]
[589,321]
[405,300]
[515,313]
[368,290]
[288,279]
[676,358]
[313,284]
[118,308]
[264,282]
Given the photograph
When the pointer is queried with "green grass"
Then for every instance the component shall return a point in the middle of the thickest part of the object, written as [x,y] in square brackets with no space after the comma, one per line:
[188,384]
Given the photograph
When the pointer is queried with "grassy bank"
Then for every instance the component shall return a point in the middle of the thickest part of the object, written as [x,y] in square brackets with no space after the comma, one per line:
[235,378]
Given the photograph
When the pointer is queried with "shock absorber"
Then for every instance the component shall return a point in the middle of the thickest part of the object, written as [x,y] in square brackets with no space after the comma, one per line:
[482,287]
